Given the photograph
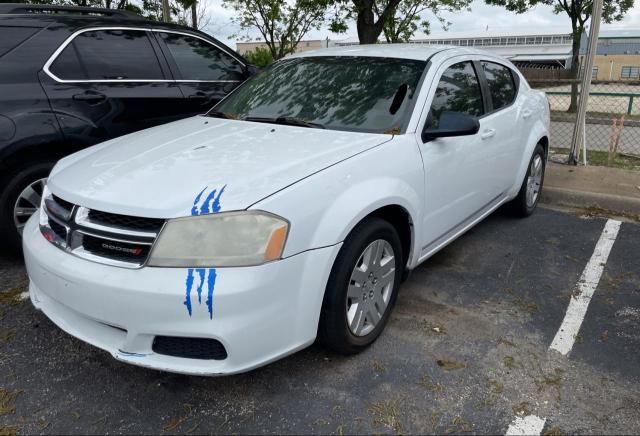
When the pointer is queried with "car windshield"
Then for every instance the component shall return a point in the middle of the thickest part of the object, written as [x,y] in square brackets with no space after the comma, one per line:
[365,94]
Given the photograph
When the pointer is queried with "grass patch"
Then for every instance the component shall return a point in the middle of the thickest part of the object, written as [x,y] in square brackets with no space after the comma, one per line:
[6,401]
[386,414]
[8,430]
[601,158]
[451,364]
[11,297]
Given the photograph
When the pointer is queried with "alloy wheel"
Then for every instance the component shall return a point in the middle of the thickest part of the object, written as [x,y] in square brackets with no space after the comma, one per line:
[370,287]
[28,203]
[534,180]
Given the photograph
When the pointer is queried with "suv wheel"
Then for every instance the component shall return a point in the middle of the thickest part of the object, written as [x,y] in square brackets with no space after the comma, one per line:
[362,287]
[20,200]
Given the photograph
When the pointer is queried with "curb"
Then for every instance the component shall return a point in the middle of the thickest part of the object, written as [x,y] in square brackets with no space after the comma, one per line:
[582,199]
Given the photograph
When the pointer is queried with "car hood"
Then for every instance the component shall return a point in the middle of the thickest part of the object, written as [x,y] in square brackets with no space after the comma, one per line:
[200,165]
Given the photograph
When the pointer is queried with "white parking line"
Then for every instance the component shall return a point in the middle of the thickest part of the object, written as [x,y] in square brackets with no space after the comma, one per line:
[565,337]
[526,425]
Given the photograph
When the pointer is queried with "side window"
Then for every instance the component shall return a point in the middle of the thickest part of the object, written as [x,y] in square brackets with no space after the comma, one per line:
[458,91]
[501,85]
[199,60]
[108,55]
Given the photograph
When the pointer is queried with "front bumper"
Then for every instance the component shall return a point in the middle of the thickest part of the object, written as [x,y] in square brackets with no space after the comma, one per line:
[259,313]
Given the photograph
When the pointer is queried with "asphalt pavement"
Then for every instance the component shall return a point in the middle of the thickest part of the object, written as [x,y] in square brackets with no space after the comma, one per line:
[467,350]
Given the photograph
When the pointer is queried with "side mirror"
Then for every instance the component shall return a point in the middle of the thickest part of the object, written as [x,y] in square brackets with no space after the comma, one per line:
[251,70]
[451,124]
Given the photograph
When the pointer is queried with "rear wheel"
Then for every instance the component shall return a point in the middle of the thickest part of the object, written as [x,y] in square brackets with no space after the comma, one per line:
[529,195]
[20,200]
[362,287]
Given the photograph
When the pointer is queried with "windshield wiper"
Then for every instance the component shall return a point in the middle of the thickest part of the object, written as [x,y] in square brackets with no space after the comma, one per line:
[218,114]
[289,121]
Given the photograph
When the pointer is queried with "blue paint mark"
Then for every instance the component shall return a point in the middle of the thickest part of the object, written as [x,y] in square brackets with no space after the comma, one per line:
[211,284]
[215,208]
[189,285]
[129,354]
[194,209]
[201,272]
[204,209]
[211,204]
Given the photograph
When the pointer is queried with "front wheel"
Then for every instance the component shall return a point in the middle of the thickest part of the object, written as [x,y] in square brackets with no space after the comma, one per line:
[529,195]
[19,200]
[362,287]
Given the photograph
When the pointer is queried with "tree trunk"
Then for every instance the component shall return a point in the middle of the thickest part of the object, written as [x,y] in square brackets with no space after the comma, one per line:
[194,15]
[368,29]
[575,69]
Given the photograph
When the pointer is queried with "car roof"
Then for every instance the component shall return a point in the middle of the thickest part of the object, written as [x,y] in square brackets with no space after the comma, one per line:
[398,51]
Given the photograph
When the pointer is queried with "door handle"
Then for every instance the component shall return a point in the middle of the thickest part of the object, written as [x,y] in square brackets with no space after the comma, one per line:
[526,113]
[89,97]
[488,133]
[198,95]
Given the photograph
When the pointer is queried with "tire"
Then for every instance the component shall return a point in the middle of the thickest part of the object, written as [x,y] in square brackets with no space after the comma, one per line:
[523,205]
[334,330]
[10,234]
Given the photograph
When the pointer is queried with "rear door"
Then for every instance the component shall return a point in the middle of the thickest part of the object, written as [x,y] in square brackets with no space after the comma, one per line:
[205,71]
[503,122]
[106,82]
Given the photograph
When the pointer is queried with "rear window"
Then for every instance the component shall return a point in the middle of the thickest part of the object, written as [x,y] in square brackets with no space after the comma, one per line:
[108,55]
[501,84]
[11,37]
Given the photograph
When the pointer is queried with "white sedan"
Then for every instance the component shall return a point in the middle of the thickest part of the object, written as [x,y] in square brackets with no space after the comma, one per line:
[290,212]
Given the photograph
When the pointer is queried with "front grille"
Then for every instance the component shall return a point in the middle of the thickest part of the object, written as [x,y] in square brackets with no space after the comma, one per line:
[116,250]
[58,229]
[104,237]
[191,348]
[126,221]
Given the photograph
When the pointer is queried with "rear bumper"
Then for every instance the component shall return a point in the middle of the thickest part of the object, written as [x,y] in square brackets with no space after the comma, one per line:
[258,313]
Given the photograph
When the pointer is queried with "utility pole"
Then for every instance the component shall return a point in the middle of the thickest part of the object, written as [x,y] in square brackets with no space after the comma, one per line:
[578,139]
[165,11]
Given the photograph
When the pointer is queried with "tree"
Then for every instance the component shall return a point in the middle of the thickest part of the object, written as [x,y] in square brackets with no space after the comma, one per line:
[406,20]
[281,23]
[260,57]
[579,12]
[397,19]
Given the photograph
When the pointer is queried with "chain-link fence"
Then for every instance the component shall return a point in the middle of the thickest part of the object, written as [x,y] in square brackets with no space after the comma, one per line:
[612,128]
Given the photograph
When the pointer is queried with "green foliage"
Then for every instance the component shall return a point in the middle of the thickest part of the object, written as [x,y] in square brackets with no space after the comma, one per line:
[260,57]
[282,24]
[406,20]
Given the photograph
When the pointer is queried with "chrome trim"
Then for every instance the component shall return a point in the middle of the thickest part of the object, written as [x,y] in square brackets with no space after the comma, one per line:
[82,219]
[56,53]
[109,238]
[83,254]
[73,242]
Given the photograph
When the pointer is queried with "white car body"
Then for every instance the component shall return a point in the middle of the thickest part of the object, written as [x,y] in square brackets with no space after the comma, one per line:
[324,182]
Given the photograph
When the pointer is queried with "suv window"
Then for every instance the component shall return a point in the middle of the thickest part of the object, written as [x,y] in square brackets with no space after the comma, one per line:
[458,91]
[199,60]
[108,55]
[501,85]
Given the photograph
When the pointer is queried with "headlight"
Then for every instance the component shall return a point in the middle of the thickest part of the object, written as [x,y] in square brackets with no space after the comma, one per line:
[222,239]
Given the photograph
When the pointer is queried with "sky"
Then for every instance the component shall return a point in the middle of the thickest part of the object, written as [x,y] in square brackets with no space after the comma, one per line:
[480,16]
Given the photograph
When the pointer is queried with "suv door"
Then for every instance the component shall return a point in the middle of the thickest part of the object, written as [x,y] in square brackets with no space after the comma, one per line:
[459,173]
[107,82]
[205,72]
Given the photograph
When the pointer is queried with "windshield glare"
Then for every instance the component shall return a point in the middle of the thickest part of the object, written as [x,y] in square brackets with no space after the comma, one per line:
[367,94]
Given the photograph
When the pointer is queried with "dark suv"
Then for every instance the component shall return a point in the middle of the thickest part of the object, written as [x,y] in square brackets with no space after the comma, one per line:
[71,77]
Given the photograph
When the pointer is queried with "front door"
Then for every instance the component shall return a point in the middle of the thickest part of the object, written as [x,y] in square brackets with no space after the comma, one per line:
[459,178]
[205,72]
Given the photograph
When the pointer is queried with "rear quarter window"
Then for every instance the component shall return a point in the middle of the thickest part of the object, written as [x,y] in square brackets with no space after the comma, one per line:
[11,37]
